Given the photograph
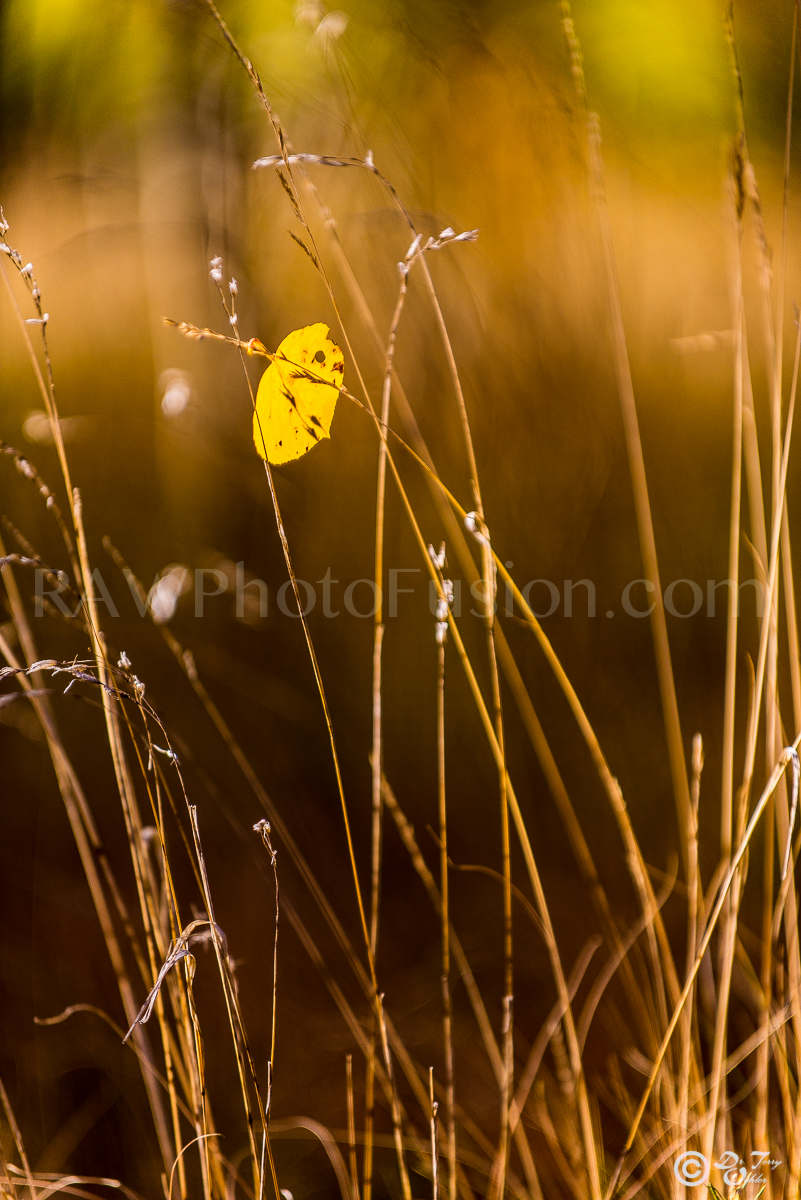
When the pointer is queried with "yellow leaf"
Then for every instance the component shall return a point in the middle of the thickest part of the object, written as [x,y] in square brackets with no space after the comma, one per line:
[297,395]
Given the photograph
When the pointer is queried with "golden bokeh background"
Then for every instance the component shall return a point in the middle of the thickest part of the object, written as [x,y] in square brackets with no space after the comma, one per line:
[127,134]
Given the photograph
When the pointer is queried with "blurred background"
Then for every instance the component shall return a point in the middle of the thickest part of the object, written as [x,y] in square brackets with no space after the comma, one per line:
[127,134]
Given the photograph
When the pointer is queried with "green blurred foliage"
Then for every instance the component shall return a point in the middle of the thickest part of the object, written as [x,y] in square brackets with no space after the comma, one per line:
[77,68]
[660,66]
[657,69]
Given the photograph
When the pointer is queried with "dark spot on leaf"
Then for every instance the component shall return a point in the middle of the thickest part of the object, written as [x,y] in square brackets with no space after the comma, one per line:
[319,357]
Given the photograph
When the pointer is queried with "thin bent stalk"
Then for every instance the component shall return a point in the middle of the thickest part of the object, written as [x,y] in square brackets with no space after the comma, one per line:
[377,757]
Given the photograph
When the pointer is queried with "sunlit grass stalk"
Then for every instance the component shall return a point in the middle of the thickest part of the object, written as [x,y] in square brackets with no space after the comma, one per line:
[190,1035]
[397,1120]
[353,1165]
[794,658]
[434,1150]
[377,756]
[488,577]
[188,1025]
[773,321]
[633,856]
[729,924]
[685,1054]
[262,828]
[733,607]
[466,975]
[584,1118]
[582,1105]
[445,924]
[634,449]
[728,944]
[248,1078]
